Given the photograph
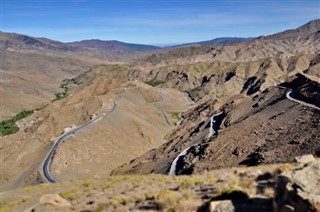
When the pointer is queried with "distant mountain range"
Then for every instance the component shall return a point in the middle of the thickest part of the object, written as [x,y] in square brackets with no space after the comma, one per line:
[217,41]
[113,46]
[19,41]
[96,47]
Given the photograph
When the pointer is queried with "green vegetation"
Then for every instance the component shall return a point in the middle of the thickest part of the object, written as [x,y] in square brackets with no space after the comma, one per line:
[62,94]
[67,82]
[65,85]
[118,200]
[114,171]
[194,93]
[170,199]
[69,193]
[155,82]
[101,207]
[9,126]
[175,115]
[189,182]
[10,206]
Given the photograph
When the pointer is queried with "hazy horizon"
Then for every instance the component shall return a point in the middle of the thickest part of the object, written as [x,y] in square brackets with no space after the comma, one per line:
[159,23]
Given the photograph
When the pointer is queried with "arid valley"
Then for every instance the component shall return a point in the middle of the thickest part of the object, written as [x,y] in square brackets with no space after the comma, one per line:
[229,124]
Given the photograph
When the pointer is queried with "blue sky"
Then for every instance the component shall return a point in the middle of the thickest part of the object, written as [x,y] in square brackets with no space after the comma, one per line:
[154,22]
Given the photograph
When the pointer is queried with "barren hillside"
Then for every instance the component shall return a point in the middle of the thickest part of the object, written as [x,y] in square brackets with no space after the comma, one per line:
[190,110]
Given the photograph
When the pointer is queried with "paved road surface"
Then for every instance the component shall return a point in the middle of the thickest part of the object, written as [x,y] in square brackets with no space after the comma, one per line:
[46,165]
[212,131]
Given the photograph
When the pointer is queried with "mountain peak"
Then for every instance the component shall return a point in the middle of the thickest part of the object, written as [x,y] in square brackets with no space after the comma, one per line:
[304,31]
[312,26]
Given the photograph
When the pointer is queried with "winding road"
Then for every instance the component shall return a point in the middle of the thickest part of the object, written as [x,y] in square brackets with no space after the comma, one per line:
[180,117]
[291,96]
[214,126]
[45,170]
[189,98]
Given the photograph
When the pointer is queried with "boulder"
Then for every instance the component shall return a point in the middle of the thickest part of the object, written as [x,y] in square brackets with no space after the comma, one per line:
[304,159]
[299,188]
[221,206]
[55,200]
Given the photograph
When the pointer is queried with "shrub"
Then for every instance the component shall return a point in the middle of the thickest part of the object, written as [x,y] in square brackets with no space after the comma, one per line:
[9,126]
[155,82]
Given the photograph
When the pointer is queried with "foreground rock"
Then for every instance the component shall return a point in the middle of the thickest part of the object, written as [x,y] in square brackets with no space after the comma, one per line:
[55,200]
[278,187]
[299,189]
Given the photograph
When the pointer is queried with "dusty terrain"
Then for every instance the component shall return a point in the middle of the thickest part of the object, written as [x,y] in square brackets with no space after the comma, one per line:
[234,189]
[259,125]
[142,118]
[137,125]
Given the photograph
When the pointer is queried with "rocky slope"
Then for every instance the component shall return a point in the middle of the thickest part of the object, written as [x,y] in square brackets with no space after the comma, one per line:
[263,128]
[97,89]
[259,125]
[143,116]
[32,70]
[282,187]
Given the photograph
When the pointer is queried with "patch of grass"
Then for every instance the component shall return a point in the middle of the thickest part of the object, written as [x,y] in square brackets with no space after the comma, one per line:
[61,95]
[67,82]
[175,115]
[169,198]
[193,93]
[87,183]
[190,181]
[9,206]
[9,126]
[68,193]
[114,171]
[149,195]
[26,198]
[155,82]
[118,200]
[101,207]
[65,85]
[23,114]
[27,188]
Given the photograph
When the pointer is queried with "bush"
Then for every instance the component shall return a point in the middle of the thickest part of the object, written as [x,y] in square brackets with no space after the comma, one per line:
[155,82]
[9,126]
[193,93]
[65,85]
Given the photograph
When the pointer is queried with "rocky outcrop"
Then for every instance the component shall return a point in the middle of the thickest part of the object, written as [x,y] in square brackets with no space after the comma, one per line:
[267,128]
[299,189]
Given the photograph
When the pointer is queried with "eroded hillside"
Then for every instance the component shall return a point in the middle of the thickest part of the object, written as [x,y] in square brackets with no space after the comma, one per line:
[218,105]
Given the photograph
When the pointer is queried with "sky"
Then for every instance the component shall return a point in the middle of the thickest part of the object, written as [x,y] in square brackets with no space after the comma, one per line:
[157,22]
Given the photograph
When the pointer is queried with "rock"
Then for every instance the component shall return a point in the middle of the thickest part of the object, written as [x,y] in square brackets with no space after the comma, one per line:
[55,200]
[221,206]
[304,159]
[299,189]
[260,204]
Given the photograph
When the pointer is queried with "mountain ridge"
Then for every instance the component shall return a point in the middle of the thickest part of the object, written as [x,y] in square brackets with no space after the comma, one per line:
[113,45]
